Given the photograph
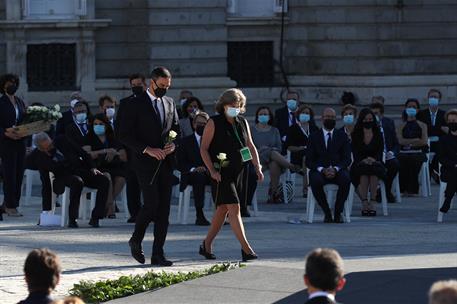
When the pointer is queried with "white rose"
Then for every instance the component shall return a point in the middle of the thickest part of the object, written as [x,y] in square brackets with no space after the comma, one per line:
[172,134]
[222,156]
[57,107]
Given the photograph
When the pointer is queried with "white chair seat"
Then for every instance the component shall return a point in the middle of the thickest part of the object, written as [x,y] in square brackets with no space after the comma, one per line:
[184,203]
[83,204]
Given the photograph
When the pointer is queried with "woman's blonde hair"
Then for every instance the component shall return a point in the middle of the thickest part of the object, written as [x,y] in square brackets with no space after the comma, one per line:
[229,97]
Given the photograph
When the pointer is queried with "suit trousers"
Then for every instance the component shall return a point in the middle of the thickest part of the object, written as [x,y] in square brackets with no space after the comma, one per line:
[156,207]
[392,166]
[199,181]
[410,167]
[12,154]
[133,192]
[77,183]
[317,181]
[451,187]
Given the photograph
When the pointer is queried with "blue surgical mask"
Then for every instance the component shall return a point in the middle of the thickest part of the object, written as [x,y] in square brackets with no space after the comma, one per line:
[433,101]
[81,117]
[303,117]
[264,119]
[99,130]
[232,112]
[348,119]
[411,112]
[292,104]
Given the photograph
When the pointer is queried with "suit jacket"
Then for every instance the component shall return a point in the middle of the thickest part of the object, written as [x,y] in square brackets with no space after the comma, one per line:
[120,112]
[320,300]
[338,155]
[185,127]
[141,127]
[73,133]
[447,156]
[281,121]
[425,117]
[390,135]
[8,118]
[63,122]
[189,157]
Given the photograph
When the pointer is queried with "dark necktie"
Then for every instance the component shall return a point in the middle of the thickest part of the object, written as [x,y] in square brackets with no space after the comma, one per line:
[156,108]
[329,139]
[292,118]
[83,128]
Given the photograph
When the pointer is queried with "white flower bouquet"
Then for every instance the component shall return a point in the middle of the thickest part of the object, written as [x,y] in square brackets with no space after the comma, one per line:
[38,119]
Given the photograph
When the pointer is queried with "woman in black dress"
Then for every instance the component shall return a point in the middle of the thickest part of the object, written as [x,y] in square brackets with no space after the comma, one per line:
[226,148]
[12,146]
[367,167]
[109,155]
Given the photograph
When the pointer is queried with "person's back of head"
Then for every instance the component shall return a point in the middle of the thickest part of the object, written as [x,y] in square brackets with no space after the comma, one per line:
[443,292]
[42,270]
[324,271]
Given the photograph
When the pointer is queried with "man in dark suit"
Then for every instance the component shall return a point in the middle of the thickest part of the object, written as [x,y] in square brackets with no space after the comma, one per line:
[145,127]
[107,106]
[138,86]
[391,148]
[324,276]
[433,117]
[193,170]
[77,130]
[285,116]
[73,168]
[328,157]
[67,116]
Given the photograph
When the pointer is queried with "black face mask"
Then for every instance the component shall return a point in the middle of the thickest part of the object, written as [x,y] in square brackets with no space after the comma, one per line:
[199,130]
[159,92]
[329,124]
[137,90]
[11,89]
[368,124]
[452,126]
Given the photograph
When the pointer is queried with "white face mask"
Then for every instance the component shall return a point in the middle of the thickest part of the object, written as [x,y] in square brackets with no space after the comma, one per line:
[110,112]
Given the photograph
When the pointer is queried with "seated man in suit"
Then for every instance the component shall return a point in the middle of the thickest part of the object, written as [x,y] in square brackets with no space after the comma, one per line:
[193,170]
[285,117]
[328,158]
[448,159]
[73,168]
[391,148]
[324,276]
[67,116]
[433,117]
[77,130]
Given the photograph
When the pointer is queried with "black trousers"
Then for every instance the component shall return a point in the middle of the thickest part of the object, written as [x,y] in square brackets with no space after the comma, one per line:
[392,166]
[12,154]
[77,183]
[450,177]
[156,207]
[410,166]
[198,181]
[46,190]
[317,180]
[133,192]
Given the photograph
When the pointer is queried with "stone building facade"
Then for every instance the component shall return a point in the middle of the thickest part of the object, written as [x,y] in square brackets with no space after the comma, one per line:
[395,48]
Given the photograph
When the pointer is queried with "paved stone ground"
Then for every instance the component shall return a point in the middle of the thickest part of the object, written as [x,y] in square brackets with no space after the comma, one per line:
[409,238]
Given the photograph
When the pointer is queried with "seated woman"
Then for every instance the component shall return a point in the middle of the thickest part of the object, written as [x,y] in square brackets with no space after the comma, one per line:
[367,167]
[109,155]
[191,107]
[448,159]
[268,142]
[297,140]
[412,137]
[349,115]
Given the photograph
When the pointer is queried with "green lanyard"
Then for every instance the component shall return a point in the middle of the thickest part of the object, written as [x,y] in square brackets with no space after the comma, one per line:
[236,134]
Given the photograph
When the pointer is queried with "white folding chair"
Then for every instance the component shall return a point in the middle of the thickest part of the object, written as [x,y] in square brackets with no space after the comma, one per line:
[424,180]
[123,200]
[441,201]
[184,203]
[254,204]
[396,188]
[83,204]
[285,178]
[29,175]
[330,192]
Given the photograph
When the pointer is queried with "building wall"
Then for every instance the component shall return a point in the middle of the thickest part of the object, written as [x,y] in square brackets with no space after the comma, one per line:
[371,37]
[2,39]
[123,46]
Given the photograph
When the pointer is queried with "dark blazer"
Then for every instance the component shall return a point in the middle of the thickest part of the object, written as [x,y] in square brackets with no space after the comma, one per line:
[120,112]
[63,122]
[141,128]
[189,157]
[339,154]
[424,116]
[448,157]
[281,121]
[37,297]
[73,133]
[8,117]
[390,135]
[320,300]
[296,137]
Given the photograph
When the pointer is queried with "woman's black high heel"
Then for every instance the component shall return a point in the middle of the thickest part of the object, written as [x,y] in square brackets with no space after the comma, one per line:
[206,254]
[248,256]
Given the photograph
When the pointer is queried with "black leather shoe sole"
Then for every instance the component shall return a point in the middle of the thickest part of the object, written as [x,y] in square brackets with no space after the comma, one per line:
[137,252]
[160,261]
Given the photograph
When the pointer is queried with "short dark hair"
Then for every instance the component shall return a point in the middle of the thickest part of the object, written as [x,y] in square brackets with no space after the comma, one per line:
[188,102]
[270,113]
[434,91]
[348,107]
[230,96]
[8,78]
[303,107]
[377,105]
[83,102]
[413,100]
[160,71]
[324,268]
[102,99]
[42,270]
[202,114]
[348,98]
[136,76]
[450,112]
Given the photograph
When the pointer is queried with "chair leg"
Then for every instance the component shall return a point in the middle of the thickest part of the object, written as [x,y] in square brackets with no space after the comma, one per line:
[396,184]
[93,196]
[28,187]
[180,202]
[186,203]
[310,205]
[383,198]
[124,202]
[441,201]
[64,207]
[254,203]
[349,203]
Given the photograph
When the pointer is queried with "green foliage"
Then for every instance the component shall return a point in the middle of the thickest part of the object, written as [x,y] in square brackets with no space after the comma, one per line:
[101,291]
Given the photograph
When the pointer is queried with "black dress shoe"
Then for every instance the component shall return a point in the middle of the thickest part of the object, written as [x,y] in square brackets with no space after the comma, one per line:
[208,255]
[248,256]
[132,219]
[338,219]
[202,221]
[72,224]
[245,213]
[160,260]
[446,206]
[391,198]
[94,223]
[328,218]
[137,251]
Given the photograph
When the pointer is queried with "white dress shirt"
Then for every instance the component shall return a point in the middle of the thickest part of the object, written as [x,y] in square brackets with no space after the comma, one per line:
[159,105]
[325,132]
[322,294]
[198,138]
